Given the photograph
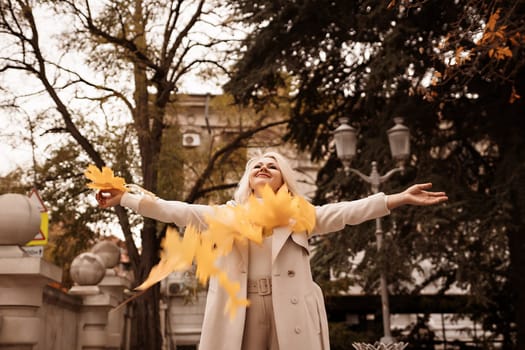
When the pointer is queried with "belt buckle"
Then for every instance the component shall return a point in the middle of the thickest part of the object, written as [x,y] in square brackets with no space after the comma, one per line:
[264,286]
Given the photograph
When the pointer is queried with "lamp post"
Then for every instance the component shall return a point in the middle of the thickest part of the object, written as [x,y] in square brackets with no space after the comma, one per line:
[345,138]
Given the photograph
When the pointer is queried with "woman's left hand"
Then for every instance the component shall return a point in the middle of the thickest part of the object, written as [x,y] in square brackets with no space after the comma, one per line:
[416,195]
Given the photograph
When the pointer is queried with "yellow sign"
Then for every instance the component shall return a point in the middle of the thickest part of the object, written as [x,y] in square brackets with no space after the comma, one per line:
[41,237]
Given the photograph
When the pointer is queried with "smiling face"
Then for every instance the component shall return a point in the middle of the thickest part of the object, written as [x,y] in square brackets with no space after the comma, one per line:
[265,171]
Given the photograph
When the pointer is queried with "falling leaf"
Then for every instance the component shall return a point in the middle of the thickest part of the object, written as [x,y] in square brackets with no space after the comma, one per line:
[229,224]
[273,209]
[175,256]
[232,289]
[305,221]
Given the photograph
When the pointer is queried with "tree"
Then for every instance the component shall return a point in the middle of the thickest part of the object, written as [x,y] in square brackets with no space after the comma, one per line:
[130,58]
[454,70]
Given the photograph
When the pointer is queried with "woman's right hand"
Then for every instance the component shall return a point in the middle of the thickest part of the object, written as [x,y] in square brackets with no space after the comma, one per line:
[109,198]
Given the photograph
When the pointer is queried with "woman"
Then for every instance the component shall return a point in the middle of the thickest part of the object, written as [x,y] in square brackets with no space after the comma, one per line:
[286,309]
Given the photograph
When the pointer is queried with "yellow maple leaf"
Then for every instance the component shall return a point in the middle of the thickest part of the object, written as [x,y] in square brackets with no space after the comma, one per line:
[305,221]
[226,225]
[205,257]
[245,229]
[189,245]
[233,304]
[273,209]
[232,289]
[105,179]
[174,257]
[229,223]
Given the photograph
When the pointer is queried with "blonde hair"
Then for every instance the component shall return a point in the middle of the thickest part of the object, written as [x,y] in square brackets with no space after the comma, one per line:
[243,191]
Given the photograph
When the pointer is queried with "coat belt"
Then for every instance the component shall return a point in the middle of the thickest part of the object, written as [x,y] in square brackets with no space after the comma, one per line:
[261,286]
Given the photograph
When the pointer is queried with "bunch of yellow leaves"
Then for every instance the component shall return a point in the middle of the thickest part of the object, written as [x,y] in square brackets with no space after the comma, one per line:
[178,254]
[227,225]
[281,209]
[105,179]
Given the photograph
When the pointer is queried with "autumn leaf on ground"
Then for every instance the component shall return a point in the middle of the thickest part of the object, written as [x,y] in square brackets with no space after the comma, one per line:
[105,179]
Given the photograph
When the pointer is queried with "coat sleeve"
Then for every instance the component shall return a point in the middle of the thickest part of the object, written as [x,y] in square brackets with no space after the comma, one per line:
[180,213]
[334,216]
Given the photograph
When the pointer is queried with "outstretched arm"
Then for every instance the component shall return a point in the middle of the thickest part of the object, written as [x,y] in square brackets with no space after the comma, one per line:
[415,195]
[177,212]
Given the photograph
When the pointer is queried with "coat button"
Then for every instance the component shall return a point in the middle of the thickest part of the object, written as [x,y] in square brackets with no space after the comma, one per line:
[297,330]
[291,273]
[294,300]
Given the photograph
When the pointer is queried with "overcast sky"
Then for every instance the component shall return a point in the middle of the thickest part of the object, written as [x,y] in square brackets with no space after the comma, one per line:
[16,152]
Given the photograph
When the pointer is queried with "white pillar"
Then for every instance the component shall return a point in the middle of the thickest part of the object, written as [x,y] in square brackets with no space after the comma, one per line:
[22,281]
[114,286]
[93,318]
[101,326]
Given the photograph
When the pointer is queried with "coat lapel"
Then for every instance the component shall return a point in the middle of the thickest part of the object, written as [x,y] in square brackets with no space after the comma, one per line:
[301,239]
[242,250]
[280,235]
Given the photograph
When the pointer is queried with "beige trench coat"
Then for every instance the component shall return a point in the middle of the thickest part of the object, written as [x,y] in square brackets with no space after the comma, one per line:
[298,303]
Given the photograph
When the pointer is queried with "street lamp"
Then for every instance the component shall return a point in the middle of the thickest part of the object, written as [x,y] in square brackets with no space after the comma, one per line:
[345,138]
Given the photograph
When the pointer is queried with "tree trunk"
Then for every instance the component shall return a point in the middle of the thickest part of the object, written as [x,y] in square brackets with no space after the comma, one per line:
[146,333]
[148,124]
[146,323]
[516,238]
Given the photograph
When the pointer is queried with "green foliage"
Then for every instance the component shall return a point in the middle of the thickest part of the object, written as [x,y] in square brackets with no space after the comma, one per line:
[13,182]
[62,186]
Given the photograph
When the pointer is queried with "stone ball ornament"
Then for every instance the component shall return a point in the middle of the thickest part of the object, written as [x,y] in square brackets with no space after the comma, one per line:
[108,251]
[19,219]
[87,269]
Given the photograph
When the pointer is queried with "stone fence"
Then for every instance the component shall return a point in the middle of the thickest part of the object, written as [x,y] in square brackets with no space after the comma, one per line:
[34,315]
